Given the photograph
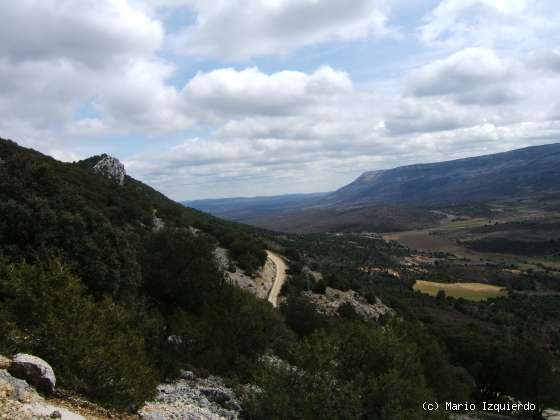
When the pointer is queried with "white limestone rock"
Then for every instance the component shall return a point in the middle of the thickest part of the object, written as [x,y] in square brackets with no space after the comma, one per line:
[35,371]
[193,399]
[111,168]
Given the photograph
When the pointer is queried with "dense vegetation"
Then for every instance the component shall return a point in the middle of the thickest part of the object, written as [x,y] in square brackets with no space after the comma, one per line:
[357,370]
[508,346]
[88,283]
[516,247]
[117,303]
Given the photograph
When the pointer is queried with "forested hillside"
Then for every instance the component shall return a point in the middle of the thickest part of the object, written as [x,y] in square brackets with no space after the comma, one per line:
[90,269]
[118,288]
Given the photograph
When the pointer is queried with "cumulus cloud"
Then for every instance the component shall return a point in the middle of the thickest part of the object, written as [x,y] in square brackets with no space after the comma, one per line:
[413,116]
[240,29]
[57,56]
[472,75]
[490,23]
[141,100]
[547,59]
[228,92]
[86,75]
[88,31]
[232,167]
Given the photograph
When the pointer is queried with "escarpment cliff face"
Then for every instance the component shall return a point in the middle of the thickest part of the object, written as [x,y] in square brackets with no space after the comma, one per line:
[521,172]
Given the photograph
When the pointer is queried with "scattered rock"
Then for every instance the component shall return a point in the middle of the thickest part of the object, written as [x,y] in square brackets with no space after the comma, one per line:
[175,340]
[35,371]
[333,298]
[194,231]
[216,395]
[158,224]
[111,168]
[20,401]
[187,374]
[194,399]
[48,411]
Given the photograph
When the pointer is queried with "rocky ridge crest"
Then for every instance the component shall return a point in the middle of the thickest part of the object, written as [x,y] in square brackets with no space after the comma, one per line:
[111,168]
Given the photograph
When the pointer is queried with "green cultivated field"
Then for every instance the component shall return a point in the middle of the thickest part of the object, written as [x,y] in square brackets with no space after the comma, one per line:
[469,291]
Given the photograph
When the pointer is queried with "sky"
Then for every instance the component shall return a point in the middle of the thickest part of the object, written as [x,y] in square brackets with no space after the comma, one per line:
[223,98]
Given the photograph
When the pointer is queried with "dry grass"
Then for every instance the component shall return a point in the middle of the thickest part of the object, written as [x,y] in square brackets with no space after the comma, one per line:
[423,241]
[469,291]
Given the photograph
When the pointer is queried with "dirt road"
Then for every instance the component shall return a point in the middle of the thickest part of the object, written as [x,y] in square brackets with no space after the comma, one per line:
[279,279]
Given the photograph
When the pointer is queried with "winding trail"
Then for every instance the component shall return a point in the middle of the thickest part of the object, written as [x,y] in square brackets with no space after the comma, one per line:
[279,279]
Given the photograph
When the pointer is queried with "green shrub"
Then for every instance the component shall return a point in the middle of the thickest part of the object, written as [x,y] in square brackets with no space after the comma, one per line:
[301,315]
[353,371]
[227,338]
[320,287]
[179,270]
[94,347]
[347,311]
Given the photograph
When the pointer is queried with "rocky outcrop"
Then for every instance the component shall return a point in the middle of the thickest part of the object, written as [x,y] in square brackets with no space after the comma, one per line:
[193,399]
[158,224]
[35,371]
[259,284]
[20,401]
[329,303]
[111,168]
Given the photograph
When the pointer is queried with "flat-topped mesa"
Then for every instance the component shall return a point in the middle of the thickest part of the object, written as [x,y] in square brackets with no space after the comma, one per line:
[111,168]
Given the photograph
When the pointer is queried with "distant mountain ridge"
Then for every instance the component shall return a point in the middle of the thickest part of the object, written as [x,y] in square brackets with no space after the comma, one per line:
[517,173]
[241,208]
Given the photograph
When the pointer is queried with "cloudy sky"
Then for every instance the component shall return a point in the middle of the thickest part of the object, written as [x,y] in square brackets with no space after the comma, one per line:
[224,98]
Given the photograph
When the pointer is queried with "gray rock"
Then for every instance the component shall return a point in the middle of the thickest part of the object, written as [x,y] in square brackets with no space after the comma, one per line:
[187,374]
[233,406]
[35,371]
[196,398]
[111,168]
[158,223]
[175,340]
[216,395]
[16,389]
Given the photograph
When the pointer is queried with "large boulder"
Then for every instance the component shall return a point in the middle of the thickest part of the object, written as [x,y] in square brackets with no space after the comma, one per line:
[35,371]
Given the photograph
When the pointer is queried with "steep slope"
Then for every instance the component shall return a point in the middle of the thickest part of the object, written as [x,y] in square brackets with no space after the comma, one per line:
[118,288]
[43,200]
[101,275]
